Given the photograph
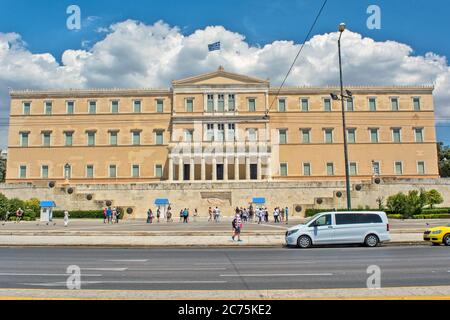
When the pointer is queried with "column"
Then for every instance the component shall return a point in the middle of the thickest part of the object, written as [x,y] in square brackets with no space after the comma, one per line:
[236,168]
[170,169]
[247,168]
[225,168]
[192,170]
[259,174]
[269,168]
[214,168]
[180,169]
[203,169]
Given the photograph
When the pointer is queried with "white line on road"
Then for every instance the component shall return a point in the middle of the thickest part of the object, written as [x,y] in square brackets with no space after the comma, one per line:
[128,260]
[104,269]
[45,274]
[56,284]
[178,269]
[276,275]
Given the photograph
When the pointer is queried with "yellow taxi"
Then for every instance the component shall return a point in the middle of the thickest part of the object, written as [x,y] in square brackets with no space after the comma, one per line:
[438,235]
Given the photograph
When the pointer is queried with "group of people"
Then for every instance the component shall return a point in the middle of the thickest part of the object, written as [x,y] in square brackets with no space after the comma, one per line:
[261,214]
[214,214]
[19,216]
[111,215]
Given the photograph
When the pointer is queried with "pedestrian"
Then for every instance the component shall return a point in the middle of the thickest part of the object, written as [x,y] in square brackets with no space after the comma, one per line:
[158,213]
[19,215]
[117,215]
[169,214]
[217,215]
[109,215]
[104,215]
[286,213]
[6,217]
[181,215]
[282,215]
[237,226]
[149,216]
[266,214]
[114,215]
[276,215]
[259,215]
[185,215]
[66,218]
[195,214]
[210,213]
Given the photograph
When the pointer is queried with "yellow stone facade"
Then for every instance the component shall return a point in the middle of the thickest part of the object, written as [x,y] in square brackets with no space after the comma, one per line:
[216,127]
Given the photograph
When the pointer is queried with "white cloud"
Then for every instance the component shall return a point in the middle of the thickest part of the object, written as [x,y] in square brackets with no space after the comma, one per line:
[134,54]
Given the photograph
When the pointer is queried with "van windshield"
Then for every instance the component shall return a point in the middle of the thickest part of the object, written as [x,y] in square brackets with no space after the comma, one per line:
[308,220]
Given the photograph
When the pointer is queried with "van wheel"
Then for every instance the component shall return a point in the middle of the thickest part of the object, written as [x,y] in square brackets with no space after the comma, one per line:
[371,241]
[304,242]
[447,239]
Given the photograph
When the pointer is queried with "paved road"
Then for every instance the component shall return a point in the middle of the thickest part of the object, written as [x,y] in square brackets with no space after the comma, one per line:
[223,269]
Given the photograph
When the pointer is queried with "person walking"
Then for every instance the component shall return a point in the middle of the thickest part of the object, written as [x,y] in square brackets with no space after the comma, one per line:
[276,215]
[259,215]
[266,214]
[286,213]
[185,215]
[210,213]
[195,214]
[181,215]
[237,226]
[6,217]
[282,215]
[158,214]
[169,214]
[114,215]
[19,215]
[149,216]
[66,218]
[104,215]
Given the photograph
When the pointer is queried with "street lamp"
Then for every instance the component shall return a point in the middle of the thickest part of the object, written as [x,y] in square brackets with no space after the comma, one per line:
[344,97]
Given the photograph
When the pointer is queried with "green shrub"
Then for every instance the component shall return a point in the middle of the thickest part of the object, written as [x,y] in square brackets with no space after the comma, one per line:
[431,216]
[434,197]
[436,211]
[85,214]
[395,216]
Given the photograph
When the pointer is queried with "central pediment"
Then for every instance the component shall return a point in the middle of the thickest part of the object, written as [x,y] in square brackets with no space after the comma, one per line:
[220,77]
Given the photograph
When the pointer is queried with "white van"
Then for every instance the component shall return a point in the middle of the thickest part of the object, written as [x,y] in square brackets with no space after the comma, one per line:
[341,227]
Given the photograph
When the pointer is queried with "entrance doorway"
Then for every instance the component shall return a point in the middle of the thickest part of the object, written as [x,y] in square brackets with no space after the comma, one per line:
[187,172]
[220,172]
[253,171]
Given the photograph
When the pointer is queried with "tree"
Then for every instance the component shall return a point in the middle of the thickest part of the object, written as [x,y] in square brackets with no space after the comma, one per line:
[409,204]
[434,197]
[396,203]
[2,170]
[444,160]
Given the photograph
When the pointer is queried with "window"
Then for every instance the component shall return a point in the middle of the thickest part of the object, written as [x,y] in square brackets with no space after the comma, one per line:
[396,135]
[26,108]
[189,105]
[48,107]
[394,104]
[372,104]
[283,169]
[22,172]
[67,171]
[351,135]
[92,107]
[137,106]
[210,103]
[231,102]
[113,138]
[135,171]
[304,103]
[220,132]
[115,106]
[221,103]
[306,135]
[46,137]
[328,135]
[282,136]
[136,136]
[159,138]
[24,139]
[231,131]
[324,220]
[209,132]
[421,167]
[70,107]
[306,169]
[353,168]
[44,172]
[282,105]
[68,138]
[91,138]
[327,104]
[376,168]
[398,167]
[188,135]
[330,169]
[251,104]
[352,218]
[113,171]
[418,133]
[251,134]
[90,171]
[416,104]
[158,171]
[350,106]
[373,135]
[160,106]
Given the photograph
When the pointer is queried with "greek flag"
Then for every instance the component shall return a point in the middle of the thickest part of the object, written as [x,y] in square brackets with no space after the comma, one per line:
[214,46]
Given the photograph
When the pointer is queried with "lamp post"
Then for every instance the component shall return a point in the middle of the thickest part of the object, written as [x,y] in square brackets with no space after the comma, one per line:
[344,127]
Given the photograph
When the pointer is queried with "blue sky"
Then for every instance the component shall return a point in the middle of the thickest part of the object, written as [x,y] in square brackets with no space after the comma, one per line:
[423,25]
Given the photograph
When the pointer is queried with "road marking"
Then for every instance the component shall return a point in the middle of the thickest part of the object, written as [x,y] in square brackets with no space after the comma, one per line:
[128,260]
[178,269]
[276,275]
[46,274]
[105,269]
[56,284]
